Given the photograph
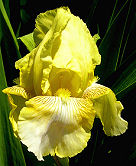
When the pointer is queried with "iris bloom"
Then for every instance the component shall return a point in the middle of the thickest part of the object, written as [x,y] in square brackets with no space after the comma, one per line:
[57,97]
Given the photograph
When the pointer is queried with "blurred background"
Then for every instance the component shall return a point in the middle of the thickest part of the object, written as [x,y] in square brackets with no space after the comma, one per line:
[115,22]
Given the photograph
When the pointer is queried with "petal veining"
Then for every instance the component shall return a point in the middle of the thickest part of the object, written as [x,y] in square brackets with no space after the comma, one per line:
[53,125]
[18,91]
[17,97]
[107,108]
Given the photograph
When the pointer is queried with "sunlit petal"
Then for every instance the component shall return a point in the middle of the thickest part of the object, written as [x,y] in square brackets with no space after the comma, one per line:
[76,57]
[66,49]
[18,91]
[25,65]
[107,108]
[50,19]
[56,125]
[17,97]
[44,22]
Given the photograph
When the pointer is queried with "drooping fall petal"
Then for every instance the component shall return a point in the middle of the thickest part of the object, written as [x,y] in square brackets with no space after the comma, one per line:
[17,97]
[56,125]
[107,108]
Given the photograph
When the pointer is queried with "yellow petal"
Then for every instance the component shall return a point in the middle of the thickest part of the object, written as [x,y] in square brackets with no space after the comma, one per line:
[36,66]
[44,22]
[17,97]
[56,125]
[65,78]
[107,108]
[49,47]
[18,91]
[76,57]
[64,46]
[25,65]
[96,37]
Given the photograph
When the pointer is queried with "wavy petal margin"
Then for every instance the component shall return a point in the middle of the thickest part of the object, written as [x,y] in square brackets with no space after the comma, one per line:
[56,125]
[17,97]
[107,108]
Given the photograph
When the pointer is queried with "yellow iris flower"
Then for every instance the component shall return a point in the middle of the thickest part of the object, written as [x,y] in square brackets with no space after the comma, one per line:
[57,98]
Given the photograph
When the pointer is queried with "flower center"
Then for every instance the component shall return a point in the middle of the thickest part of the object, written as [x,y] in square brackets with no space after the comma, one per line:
[64,93]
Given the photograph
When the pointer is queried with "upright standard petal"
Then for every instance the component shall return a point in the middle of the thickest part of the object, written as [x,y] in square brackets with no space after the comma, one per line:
[17,97]
[77,55]
[25,65]
[56,125]
[107,108]
[64,45]
[35,67]
[45,21]
[49,47]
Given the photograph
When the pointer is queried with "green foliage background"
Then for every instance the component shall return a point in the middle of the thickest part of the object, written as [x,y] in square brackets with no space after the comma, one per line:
[115,22]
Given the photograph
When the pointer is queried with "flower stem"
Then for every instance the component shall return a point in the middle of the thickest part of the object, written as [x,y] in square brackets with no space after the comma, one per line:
[57,160]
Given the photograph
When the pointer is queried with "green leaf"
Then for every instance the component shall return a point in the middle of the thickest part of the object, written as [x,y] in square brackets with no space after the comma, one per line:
[3,11]
[10,148]
[64,161]
[122,36]
[126,78]
[24,16]
[28,41]
[111,43]
[93,7]
[114,17]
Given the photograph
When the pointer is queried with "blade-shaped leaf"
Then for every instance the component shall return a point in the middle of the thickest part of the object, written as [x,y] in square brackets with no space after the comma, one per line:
[126,78]
[10,148]
[5,16]
[28,41]
[93,6]
[111,44]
